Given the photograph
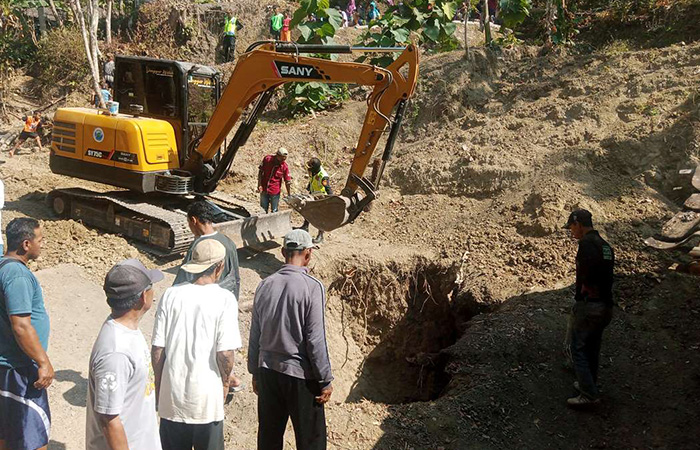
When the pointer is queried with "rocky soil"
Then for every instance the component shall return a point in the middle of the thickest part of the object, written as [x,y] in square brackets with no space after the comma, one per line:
[448,301]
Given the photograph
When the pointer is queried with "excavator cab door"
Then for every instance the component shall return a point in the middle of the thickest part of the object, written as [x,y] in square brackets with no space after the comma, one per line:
[203,92]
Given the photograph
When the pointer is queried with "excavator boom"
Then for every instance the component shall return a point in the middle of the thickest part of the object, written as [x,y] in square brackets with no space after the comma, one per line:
[261,70]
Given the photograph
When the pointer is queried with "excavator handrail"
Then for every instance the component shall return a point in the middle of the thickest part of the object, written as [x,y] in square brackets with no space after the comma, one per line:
[293,47]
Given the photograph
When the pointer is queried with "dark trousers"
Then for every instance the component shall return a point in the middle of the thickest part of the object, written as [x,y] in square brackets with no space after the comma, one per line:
[281,397]
[590,319]
[184,436]
[229,48]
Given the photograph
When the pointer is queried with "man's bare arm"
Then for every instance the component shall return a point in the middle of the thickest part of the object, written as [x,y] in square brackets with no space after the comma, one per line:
[113,429]
[224,360]
[157,361]
[28,341]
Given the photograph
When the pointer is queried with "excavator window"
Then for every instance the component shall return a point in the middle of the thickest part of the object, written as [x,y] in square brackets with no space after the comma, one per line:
[151,85]
[201,99]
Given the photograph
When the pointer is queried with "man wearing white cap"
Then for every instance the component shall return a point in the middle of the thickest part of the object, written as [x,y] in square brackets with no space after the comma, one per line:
[194,337]
[271,172]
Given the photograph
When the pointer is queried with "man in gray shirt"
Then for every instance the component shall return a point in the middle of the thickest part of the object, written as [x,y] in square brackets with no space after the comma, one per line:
[287,351]
[200,218]
[121,407]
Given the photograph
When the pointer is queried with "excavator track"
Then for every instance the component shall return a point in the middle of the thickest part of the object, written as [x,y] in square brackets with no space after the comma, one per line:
[164,230]
[161,223]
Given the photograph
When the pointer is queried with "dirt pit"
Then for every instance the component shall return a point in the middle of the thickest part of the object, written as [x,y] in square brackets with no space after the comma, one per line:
[401,316]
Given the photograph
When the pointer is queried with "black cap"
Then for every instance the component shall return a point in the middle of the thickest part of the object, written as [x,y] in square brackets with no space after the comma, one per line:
[129,277]
[582,216]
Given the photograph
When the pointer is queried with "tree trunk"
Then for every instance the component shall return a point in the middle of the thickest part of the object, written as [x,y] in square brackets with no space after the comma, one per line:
[466,26]
[58,17]
[42,22]
[88,41]
[108,23]
[549,16]
[487,22]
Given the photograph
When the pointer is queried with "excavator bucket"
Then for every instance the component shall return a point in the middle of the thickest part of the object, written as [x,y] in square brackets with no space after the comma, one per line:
[255,230]
[325,213]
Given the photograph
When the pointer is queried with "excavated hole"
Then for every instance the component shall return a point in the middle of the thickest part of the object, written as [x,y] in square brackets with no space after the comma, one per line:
[403,318]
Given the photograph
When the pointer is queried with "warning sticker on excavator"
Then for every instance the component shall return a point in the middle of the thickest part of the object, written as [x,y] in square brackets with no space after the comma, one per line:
[294,70]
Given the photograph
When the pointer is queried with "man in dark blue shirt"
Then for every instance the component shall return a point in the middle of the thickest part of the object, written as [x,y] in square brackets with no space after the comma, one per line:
[592,312]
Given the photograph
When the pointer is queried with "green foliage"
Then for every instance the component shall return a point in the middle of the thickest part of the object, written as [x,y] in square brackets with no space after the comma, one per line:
[514,12]
[303,98]
[16,45]
[565,24]
[328,20]
[507,40]
[60,60]
[431,22]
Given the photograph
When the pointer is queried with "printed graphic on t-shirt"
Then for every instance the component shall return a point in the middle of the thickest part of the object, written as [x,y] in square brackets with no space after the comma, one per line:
[151,381]
[109,382]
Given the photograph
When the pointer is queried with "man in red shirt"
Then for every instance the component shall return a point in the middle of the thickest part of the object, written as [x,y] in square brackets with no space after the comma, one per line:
[272,171]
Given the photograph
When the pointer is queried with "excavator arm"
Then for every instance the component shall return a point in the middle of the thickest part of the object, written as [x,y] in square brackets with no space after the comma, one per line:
[268,65]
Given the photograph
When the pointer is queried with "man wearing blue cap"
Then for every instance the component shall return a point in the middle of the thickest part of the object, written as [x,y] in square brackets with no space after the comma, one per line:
[121,407]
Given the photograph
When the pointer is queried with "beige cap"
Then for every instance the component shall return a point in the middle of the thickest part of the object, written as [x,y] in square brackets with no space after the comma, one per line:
[282,151]
[204,255]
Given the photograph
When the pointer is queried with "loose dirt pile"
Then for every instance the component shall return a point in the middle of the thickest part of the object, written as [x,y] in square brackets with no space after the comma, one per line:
[447,302]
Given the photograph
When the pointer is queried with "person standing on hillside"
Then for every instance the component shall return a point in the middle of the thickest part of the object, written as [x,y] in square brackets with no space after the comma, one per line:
[271,172]
[25,369]
[276,22]
[194,338]
[109,72]
[121,406]
[319,185]
[286,29]
[351,10]
[31,130]
[373,12]
[592,311]
[288,353]
[231,27]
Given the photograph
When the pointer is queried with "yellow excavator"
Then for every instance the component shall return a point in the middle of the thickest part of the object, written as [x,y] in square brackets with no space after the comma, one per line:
[167,143]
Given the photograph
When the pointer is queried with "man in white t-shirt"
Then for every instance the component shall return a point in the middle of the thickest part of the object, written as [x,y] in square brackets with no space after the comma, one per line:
[194,338]
[121,407]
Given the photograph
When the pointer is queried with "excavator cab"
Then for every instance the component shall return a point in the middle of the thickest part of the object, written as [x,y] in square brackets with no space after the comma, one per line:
[181,93]
[164,108]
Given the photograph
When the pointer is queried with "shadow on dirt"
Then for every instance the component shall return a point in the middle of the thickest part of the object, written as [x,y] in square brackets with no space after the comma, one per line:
[506,371]
[263,263]
[77,395]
